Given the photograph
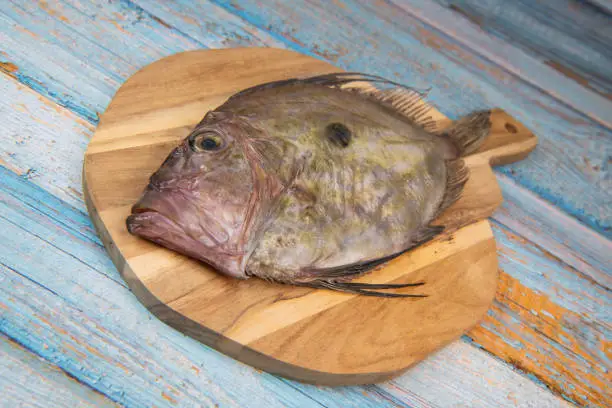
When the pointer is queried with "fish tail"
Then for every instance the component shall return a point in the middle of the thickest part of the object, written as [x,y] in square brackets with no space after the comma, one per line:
[469,132]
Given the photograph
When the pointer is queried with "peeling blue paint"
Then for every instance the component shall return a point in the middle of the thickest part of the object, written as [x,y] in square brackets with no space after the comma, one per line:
[80,64]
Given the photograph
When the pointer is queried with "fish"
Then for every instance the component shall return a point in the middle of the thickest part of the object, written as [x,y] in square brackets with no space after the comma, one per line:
[310,181]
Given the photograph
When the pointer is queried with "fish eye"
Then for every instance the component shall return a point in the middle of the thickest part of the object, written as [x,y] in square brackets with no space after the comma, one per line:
[206,141]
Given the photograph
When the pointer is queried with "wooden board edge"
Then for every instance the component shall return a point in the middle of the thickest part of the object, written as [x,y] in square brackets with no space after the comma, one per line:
[215,339]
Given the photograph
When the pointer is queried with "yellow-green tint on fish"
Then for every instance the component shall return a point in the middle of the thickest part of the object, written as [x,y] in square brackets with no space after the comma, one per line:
[307,181]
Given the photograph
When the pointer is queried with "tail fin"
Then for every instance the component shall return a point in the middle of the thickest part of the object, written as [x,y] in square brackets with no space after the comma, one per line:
[469,132]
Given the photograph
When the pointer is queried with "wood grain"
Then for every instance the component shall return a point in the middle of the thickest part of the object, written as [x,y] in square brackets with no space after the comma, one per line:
[575,42]
[311,335]
[60,299]
[27,380]
[567,169]
[464,75]
[63,233]
[509,55]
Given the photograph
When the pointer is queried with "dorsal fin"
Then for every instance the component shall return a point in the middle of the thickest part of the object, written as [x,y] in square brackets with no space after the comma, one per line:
[402,99]
[405,101]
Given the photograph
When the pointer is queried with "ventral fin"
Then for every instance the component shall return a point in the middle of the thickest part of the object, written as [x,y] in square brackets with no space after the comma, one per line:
[336,278]
[367,289]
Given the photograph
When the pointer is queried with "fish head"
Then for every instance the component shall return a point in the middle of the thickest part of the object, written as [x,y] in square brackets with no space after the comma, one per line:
[202,201]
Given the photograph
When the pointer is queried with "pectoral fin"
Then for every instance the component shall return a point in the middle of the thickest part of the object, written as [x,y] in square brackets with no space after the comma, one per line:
[335,278]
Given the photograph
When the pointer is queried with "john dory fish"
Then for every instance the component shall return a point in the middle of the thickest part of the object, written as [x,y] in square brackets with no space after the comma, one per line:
[309,181]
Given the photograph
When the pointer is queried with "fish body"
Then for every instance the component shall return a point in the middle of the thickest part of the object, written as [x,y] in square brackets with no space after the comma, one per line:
[308,181]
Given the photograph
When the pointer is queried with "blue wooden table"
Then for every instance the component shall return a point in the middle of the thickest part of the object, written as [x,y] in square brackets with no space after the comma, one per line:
[72,334]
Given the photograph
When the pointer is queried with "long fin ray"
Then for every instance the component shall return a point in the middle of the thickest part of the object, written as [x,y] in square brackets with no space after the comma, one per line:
[404,100]
[329,278]
[346,287]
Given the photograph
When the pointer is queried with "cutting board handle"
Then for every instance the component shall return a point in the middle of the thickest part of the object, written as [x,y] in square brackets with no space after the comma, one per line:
[311,335]
[509,141]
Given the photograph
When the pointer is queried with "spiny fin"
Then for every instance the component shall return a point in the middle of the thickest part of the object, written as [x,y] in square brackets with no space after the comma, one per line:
[457,174]
[336,79]
[328,278]
[469,132]
[409,103]
[362,289]
[349,271]
[406,101]
[357,285]
[426,234]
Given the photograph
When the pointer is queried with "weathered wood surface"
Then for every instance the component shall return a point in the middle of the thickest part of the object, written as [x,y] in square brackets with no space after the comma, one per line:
[76,54]
[64,51]
[60,297]
[27,380]
[571,38]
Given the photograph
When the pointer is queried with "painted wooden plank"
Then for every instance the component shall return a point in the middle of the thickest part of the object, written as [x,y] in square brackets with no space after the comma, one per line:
[71,165]
[603,6]
[93,61]
[208,23]
[550,321]
[27,380]
[566,35]
[90,48]
[503,53]
[42,141]
[105,355]
[462,80]
[94,329]
[559,234]
[549,276]
[575,41]
[413,52]
[453,385]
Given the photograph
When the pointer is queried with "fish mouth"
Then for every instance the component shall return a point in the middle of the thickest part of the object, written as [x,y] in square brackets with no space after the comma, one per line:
[151,224]
[154,225]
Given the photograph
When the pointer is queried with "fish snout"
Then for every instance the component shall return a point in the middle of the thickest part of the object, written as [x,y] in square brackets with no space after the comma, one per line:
[162,202]
[171,171]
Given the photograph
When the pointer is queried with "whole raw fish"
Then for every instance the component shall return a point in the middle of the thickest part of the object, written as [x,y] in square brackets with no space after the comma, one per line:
[309,181]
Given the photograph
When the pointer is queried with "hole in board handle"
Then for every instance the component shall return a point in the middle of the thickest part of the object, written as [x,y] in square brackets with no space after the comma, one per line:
[511,128]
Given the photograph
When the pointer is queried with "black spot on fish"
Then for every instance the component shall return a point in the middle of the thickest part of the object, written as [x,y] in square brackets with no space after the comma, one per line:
[338,134]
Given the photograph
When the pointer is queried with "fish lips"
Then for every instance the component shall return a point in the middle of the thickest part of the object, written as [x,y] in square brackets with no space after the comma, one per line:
[153,225]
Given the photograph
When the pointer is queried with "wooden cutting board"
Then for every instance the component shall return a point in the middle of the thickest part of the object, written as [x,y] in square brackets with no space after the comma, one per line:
[310,335]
